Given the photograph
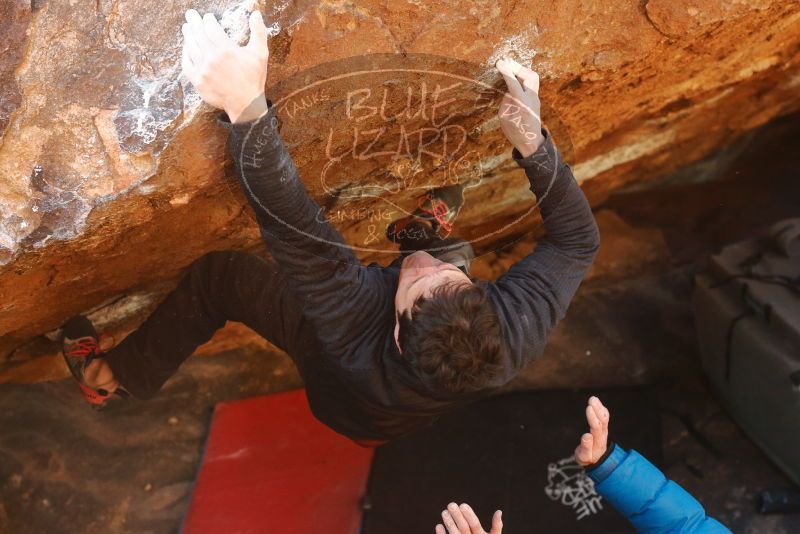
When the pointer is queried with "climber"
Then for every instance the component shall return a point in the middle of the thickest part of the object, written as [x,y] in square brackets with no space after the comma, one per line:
[634,486]
[382,350]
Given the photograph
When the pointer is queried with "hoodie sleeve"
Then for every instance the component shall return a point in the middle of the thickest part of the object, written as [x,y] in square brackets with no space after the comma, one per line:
[535,292]
[341,297]
[640,492]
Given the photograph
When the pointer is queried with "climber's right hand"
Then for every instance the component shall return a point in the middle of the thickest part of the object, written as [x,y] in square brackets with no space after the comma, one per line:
[227,76]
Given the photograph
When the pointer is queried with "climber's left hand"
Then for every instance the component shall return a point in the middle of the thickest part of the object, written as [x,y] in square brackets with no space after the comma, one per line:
[227,76]
[519,113]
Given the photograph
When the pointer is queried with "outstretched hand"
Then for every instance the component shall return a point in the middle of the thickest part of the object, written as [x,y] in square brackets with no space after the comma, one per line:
[593,444]
[520,109]
[227,76]
[462,520]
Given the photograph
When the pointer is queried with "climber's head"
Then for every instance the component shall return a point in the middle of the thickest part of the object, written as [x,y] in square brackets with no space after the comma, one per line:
[447,328]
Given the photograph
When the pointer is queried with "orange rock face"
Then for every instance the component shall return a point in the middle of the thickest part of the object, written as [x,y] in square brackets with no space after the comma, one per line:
[115,176]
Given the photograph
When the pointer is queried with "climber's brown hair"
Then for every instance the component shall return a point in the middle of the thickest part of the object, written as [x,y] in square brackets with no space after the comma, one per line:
[452,339]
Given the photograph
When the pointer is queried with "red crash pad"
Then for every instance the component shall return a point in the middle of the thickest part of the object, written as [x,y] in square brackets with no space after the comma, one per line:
[271,467]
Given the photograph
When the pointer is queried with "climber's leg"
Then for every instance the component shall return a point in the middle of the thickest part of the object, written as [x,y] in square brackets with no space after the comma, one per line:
[219,287]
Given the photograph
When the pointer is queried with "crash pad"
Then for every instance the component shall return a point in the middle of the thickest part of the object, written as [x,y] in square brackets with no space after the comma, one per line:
[511,452]
[270,466]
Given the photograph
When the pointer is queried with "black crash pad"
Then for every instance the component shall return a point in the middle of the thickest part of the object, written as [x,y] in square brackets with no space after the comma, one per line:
[512,453]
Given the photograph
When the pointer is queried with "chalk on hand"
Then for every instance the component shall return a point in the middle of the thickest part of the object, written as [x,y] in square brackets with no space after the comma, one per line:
[508,67]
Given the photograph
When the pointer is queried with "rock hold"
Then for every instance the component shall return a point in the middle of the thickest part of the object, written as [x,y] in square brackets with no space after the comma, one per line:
[134,181]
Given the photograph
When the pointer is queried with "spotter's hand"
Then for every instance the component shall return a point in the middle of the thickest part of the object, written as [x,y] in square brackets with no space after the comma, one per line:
[462,520]
[593,444]
[227,76]
[520,109]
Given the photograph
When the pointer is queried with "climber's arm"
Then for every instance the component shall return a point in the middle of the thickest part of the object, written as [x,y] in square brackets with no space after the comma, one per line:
[306,245]
[536,291]
[311,252]
[538,288]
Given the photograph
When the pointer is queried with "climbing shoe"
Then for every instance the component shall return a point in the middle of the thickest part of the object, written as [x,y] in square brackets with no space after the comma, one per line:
[409,232]
[434,217]
[440,207]
[80,347]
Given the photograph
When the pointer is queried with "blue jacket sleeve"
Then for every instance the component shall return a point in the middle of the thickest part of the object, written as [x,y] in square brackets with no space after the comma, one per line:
[640,492]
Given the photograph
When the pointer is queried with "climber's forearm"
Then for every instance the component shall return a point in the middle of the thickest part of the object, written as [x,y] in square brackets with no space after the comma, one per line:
[340,297]
[231,77]
[303,241]
[567,216]
[540,286]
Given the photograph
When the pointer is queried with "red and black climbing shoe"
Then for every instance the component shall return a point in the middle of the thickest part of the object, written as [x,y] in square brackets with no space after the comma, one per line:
[440,207]
[409,231]
[434,216]
[80,347]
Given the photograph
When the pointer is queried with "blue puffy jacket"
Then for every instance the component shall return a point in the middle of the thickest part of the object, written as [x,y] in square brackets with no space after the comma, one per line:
[640,492]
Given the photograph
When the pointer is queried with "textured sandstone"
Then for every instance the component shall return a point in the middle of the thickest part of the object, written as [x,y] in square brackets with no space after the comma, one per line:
[134,183]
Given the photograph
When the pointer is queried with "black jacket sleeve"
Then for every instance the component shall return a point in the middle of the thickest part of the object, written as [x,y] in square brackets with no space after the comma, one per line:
[535,292]
[340,295]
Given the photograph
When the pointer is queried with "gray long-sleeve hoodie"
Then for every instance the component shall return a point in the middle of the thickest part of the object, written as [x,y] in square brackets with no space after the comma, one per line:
[357,382]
